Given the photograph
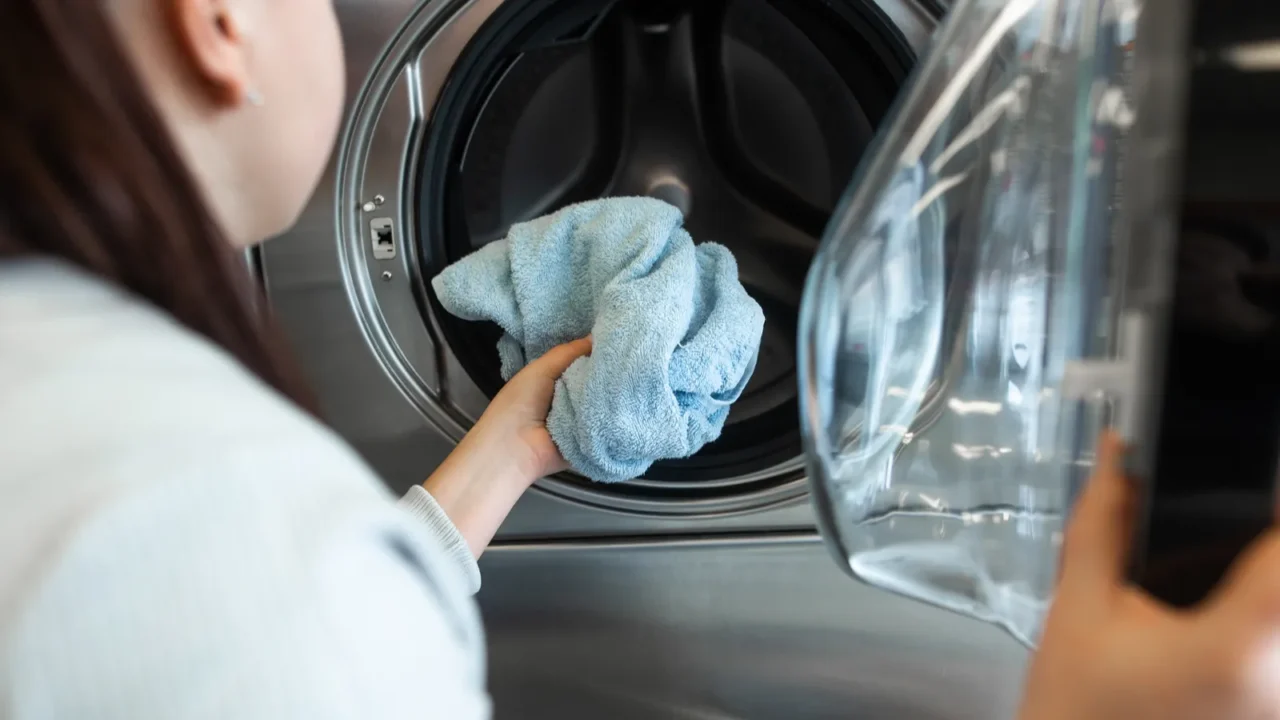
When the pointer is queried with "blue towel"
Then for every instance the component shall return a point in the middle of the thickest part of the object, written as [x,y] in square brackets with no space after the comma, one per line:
[675,335]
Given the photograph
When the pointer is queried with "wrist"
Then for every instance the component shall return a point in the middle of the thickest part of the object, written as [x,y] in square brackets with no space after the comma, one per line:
[486,456]
[477,486]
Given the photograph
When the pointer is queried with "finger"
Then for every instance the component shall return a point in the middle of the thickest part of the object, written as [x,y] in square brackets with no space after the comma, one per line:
[559,358]
[1099,533]
[1251,587]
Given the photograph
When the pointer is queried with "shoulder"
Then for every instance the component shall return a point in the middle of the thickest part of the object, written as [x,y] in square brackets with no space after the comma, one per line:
[167,521]
[103,397]
[84,365]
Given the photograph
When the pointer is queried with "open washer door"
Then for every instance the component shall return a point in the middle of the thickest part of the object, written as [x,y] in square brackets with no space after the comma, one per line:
[1070,225]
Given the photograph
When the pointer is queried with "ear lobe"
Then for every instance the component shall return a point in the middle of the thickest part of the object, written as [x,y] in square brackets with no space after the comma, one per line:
[211,40]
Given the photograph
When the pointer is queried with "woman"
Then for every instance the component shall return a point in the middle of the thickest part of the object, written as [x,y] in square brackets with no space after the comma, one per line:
[180,537]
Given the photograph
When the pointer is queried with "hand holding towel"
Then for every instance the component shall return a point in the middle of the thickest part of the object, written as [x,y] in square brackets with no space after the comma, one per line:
[675,334]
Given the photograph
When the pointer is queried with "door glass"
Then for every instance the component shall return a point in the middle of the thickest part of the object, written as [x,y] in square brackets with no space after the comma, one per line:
[966,301]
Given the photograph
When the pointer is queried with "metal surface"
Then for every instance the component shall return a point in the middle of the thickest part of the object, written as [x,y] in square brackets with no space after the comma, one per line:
[754,628]
[595,626]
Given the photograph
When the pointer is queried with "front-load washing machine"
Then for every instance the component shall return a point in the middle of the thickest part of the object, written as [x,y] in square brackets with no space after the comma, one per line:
[701,589]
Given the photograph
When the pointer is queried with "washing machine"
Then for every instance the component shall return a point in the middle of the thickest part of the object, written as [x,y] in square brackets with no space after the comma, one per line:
[702,589]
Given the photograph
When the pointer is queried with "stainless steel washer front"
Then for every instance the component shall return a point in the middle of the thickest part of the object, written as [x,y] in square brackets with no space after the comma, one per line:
[719,606]
[388,380]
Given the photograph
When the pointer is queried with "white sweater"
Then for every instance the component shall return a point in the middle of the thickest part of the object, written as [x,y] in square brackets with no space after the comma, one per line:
[178,542]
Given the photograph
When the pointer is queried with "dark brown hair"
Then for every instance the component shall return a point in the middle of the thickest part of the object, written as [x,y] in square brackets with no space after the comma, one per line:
[90,175]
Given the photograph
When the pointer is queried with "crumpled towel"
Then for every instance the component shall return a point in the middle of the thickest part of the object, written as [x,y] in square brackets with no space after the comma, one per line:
[675,335]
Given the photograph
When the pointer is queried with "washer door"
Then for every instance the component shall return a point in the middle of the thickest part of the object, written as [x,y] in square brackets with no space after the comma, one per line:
[750,115]
[983,304]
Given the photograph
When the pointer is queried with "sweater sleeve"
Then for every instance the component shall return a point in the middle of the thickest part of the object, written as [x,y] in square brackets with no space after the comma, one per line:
[246,595]
[419,503]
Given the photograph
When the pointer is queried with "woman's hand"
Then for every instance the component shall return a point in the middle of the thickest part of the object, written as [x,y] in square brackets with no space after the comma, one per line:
[508,449]
[516,420]
[1111,651]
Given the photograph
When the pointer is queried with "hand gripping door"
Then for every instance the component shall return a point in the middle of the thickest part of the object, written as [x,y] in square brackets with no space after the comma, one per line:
[985,300]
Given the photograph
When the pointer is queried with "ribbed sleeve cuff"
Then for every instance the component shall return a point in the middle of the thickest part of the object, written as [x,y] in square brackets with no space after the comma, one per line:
[419,503]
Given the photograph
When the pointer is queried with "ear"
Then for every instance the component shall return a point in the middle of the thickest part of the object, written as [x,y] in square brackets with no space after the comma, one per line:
[209,36]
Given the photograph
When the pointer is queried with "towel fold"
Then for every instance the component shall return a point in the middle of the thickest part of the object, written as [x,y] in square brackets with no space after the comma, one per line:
[675,334]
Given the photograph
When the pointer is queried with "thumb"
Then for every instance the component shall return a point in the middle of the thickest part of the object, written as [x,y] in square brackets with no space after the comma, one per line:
[1098,536]
[558,359]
